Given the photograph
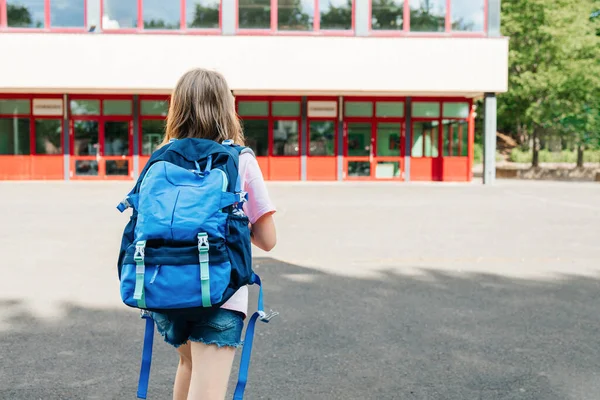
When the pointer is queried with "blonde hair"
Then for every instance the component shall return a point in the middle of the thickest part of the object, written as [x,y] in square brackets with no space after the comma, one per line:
[202,106]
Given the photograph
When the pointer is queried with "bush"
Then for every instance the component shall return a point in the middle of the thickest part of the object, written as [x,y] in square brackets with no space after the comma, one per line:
[478,154]
[546,156]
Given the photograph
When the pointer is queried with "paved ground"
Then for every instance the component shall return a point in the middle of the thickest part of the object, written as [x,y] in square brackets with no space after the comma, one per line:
[386,291]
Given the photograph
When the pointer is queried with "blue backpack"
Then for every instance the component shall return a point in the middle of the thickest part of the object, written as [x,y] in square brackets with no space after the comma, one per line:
[187,244]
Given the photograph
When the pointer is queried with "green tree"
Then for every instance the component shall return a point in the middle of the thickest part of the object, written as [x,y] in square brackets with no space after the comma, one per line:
[205,17]
[425,19]
[554,71]
[254,14]
[388,14]
[19,16]
[339,17]
[290,16]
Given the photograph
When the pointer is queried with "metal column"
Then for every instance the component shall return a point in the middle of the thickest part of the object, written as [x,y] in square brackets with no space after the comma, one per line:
[489,140]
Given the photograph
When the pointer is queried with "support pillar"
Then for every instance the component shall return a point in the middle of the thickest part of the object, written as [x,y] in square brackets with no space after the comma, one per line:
[489,139]
[66,139]
[136,136]
[303,138]
[407,138]
[228,17]
[340,140]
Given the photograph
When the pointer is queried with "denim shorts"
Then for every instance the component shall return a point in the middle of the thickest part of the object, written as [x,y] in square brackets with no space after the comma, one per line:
[216,326]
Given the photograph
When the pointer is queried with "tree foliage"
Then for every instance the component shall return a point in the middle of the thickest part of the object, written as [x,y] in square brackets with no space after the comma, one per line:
[554,71]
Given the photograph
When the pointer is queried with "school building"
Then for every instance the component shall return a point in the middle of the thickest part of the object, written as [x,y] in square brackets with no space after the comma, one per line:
[326,89]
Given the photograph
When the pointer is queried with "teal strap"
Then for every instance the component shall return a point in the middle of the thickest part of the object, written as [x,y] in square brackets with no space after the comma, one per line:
[140,270]
[204,272]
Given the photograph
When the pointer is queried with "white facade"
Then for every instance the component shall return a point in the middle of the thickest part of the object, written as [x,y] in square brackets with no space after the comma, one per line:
[299,65]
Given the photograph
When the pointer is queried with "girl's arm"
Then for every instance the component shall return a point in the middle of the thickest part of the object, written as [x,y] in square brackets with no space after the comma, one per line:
[264,235]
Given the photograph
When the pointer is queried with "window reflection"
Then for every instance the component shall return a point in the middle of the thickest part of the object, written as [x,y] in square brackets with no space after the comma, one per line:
[25,13]
[388,139]
[85,138]
[425,139]
[67,13]
[202,14]
[456,138]
[116,138]
[387,15]
[48,136]
[322,138]
[428,15]
[161,14]
[468,15]
[336,14]
[254,14]
[285,138]
[153,131]
[14,136]
[295,15]
[359,139]
[119,14]
[256,133]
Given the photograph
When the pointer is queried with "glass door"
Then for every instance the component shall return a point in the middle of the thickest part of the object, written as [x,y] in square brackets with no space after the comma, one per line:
[389,146]
[85,145]
[117,148]
[358,143]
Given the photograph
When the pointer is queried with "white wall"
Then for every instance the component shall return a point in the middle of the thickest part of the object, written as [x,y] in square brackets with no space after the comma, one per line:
[253,64]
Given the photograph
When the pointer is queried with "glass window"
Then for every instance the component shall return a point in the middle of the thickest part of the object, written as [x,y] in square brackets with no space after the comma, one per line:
[12,107]
[256,133]
[161,14]
[48,136]
[155,107]
[85,107]
[359,168]
[456,138]
[153,131]
[359,139]
[428,15]
[254,14]
[388,139]
[253,108]
[202,14]
[119,14]
[117,107]
[336,14]
[387,15]
[85,138]
[456,110]
[468,15]
[286,108]
[387,170]
[86,167]
[14,136]
[358,109]
[116,138]
[117,167]
[322,138]
[25,13]
[389,109]
[295,15]
[67,13]
[285,138]
[425,139]
[426,110]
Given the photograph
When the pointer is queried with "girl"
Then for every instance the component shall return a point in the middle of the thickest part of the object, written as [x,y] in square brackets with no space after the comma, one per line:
[202,106]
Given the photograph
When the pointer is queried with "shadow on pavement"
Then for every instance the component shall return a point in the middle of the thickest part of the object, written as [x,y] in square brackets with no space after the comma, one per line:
[435,336]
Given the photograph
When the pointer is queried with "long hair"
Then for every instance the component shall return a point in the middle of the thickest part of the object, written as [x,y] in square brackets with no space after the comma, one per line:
[202,106]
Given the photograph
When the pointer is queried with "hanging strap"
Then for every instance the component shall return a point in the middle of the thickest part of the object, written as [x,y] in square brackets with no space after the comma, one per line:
[146,356]
[140,271]
[247,350]
[203,248]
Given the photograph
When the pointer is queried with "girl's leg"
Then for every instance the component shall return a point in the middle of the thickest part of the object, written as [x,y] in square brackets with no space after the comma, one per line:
[184,373]
[210,382]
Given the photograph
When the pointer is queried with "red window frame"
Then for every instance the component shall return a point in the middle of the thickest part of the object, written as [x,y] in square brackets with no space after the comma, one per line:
[32,118]
[182,22]
[273,30]
[440,120]
[447,30]
[47,20]
[271,119]
[142,118]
